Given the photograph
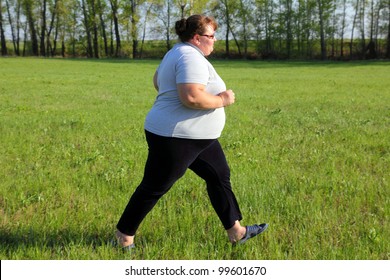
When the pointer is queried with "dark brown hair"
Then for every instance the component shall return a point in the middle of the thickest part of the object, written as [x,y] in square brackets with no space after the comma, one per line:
[195,24]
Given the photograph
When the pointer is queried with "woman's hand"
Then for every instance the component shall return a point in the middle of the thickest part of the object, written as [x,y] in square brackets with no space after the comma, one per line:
[228,97]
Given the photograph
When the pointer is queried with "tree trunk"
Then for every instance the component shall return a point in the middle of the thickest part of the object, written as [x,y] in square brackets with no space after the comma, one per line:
[268,29]
[134,27]
[2,35]
[182,7]
[14,39]
[54,18]
[63,48]
[388,32]
[53,49]
[144,29]
[111,37]
[353,28]
[237,43]
[371,47]
[322,29]
[344,14]
[114,8]
[244,26]
[31,25]
[25,29]
[333,31]
[73,33]
[227,19]
[362,29]
[87,29]
[227,48]
[95,30]
[289,36]
[168,26]
[43,29]
[103,27]
[18,27]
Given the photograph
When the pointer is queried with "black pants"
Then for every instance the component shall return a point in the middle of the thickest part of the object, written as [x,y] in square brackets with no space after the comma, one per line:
[168,160]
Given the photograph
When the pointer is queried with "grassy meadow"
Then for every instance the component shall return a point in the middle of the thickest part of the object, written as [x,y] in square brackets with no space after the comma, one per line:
[308,145]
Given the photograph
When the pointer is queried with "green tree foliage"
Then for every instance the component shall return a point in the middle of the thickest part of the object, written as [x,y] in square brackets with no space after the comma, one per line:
[288,29]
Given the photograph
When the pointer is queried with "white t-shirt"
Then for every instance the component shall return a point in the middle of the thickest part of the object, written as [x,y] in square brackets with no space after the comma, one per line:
[169,117]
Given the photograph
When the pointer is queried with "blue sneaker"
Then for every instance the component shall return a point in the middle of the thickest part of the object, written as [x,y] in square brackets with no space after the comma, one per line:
[252,231]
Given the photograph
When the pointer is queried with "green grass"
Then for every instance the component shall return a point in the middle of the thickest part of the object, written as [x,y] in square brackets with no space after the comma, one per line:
[308,146]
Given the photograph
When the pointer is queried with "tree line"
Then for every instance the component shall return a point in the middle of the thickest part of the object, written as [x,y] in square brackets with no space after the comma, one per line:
[277,29]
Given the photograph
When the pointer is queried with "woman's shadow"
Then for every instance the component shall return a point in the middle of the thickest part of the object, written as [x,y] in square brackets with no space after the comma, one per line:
[16,244]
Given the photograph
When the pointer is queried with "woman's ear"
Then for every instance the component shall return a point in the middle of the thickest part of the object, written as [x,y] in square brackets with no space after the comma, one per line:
[197,39]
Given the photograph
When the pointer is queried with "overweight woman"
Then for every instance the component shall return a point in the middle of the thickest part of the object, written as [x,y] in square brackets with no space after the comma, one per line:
[182,130]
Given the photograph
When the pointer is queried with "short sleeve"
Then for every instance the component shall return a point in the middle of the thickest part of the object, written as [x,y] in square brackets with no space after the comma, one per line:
[192,68]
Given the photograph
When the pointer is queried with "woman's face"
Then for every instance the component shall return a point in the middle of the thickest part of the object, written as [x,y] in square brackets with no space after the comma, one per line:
[206,41]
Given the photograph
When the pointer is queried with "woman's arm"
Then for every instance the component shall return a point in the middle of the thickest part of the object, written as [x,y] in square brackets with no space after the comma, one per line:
[195,96]
[155,80]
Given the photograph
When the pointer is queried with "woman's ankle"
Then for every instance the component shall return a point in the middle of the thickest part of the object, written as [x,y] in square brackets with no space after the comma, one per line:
[123,239]
[236,232]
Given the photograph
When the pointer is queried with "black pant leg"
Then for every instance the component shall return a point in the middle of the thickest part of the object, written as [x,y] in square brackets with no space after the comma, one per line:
[168,159]
[211,165]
